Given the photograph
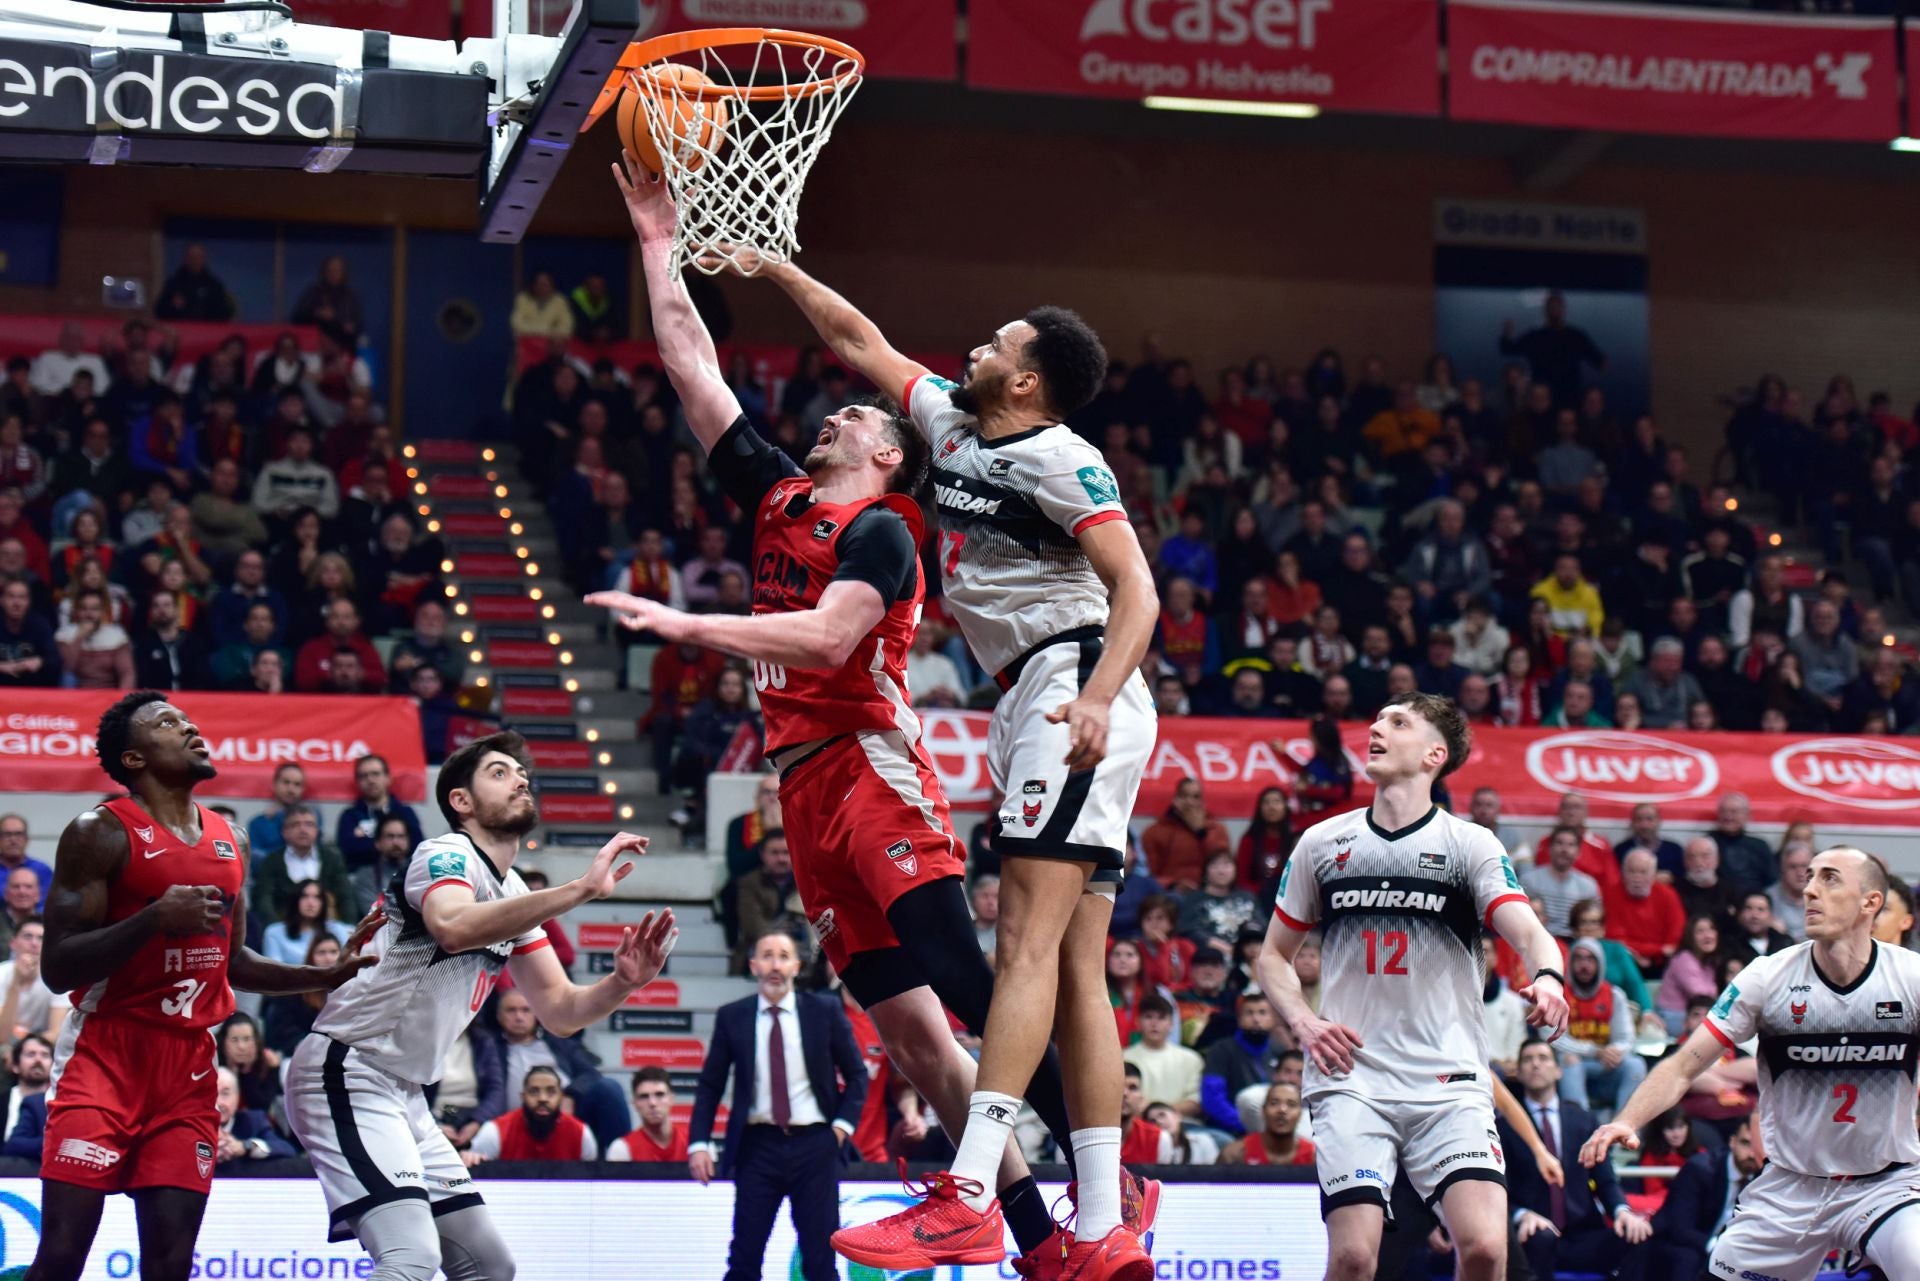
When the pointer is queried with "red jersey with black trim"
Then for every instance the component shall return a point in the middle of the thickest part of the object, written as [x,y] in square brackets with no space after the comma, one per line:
[796,553]
[174,980]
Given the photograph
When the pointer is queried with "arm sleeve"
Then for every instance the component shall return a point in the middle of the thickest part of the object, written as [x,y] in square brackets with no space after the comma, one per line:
[589,1146]
[487,1142]
[1491,874]
[1735,1017]
[747,466]
[1075,490]
[617,1151]
[877,549]
[1298,903]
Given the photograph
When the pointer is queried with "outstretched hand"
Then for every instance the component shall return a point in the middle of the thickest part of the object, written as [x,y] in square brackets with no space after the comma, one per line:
[638,614]
[601,875]
[1595,1149]
[351,962]
[649,204]
[644,948]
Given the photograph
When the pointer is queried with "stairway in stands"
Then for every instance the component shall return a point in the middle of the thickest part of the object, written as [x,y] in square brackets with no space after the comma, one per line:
[555,677]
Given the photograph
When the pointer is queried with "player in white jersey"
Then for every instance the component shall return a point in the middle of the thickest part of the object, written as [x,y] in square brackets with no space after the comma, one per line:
[1397,1073]
[1047,581]
[457,914]
[1838,1021]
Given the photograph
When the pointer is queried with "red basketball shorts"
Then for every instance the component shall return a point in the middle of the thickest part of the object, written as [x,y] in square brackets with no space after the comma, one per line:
[132,1106]
[866,821]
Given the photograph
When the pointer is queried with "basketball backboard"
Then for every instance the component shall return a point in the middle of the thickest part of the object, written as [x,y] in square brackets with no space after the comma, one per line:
[243,86]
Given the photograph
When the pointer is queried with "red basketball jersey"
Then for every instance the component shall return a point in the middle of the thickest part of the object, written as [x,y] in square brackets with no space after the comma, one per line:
[174,980]
[794,558]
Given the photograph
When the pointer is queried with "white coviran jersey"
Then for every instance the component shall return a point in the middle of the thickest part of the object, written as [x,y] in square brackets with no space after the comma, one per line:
[405,1013]
[1836,1063]
[1010,510]
[1400,961]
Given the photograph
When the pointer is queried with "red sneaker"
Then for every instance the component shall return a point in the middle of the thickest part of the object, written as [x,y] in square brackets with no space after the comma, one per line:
[939,1232]
[1048,1261]
[1117,1256]
[1139,1201]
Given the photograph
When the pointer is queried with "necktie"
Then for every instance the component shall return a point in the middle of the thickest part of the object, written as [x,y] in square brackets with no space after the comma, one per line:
[777,1071]
[1556,1197]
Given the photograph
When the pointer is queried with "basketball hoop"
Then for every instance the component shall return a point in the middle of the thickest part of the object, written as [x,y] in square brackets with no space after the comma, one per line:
[737,140]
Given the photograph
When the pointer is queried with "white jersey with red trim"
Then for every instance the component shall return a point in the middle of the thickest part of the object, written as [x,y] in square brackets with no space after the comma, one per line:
[1836,1063]
[405,1013]
[1010,510]
[1402,913]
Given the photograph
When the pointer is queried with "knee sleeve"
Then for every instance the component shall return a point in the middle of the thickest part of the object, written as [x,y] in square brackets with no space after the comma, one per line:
[402,1239]
[472,1247]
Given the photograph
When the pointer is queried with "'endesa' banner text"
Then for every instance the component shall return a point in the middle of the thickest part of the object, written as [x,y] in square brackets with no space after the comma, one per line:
[1350,55]
[47,742]
[1858,782]
[1646,70]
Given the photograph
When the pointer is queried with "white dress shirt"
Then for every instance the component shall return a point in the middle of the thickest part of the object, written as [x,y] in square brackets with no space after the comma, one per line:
[803,1108]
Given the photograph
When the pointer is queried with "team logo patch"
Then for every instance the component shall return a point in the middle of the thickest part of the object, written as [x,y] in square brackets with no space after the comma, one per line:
[950,447]
[203,1157]
[1493,1142]
[998,468]
[1433,862]
[82,1152]
[901,852]
[1340,857]
[1799,1011]
[1506,869]
[145,834]
[447,863]
[1034,787]
[776,500]
[174,961]
[223,849]
[1889,1010]
[1724,1006]
[1100,485]
[823,529]
[1030,812]
[942,383]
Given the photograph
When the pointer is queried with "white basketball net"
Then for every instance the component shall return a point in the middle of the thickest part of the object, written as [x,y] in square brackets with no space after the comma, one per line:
[738,188]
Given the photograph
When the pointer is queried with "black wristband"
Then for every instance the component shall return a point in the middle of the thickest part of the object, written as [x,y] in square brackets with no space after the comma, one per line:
[1553,974]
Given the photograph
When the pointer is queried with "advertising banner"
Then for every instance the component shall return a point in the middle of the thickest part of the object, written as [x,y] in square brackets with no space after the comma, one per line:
[900,39]
[47,740]
[1847,782]
[618,1230]
[1347,55]
[1672,70]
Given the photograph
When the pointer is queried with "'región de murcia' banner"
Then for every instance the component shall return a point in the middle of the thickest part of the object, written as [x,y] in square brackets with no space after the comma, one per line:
[1345,55]
[47,740]
[1858,782]
[1680,70]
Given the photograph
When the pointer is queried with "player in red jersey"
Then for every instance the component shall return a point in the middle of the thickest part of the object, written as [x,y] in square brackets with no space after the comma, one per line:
[146,925]
[836,600]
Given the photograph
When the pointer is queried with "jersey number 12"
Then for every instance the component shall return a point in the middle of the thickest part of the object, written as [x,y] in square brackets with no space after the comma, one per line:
[1394,944]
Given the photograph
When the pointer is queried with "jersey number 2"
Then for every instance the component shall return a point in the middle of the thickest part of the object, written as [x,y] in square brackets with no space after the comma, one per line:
[1848,1096]
[1394,943]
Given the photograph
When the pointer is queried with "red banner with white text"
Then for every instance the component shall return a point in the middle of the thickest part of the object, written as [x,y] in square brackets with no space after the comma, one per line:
[1347,55]
[900,39]
[1854,782]
[47,740]
[1672,70]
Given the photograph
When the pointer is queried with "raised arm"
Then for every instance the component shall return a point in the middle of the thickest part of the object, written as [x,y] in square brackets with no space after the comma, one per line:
[856,340]
[565,1007]
[459,922]
[686,348]
[80,948]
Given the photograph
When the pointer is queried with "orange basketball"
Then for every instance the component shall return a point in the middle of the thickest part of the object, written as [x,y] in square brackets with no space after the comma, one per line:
[695,123]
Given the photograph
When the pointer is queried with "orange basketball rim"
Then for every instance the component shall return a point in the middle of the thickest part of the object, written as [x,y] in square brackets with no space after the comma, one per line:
[848,65]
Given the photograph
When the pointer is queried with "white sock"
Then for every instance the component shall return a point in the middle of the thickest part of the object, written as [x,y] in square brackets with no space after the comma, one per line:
[990,1119]
[1096,1157]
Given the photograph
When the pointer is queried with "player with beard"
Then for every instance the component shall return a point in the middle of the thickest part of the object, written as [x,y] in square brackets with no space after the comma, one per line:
[146,925]
[837,597]
[458,914]
[1043,572]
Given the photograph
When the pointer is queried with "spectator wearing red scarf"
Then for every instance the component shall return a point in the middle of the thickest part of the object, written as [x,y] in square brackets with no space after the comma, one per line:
[650,575]
[1166,959]
[1266,843]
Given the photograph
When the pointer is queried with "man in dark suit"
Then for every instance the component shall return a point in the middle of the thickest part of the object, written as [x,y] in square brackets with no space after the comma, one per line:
[1698,1206]
[798,1086]
[1586,1226]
